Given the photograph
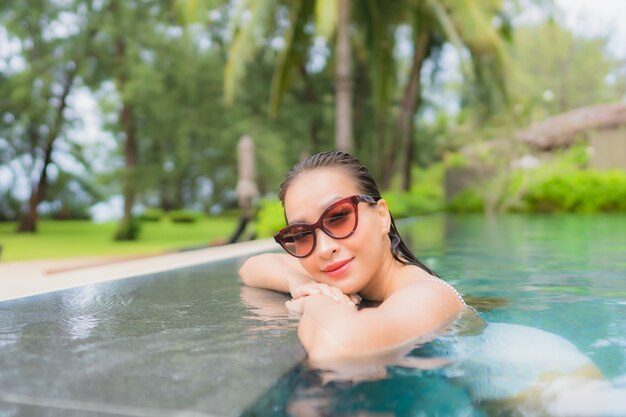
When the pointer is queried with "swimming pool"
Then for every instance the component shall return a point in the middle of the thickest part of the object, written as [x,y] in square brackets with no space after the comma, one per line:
[195,342]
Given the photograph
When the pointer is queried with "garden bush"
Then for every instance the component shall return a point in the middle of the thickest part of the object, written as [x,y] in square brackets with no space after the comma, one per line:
[184,216]
[71,212]
[128,230]
[581,192]
[270,217]
[151,214]
[423,198]
[470,200]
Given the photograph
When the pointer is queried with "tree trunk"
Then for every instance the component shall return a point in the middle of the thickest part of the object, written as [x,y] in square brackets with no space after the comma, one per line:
[407,157]
[179,189]
[343,81]
[403,132]
[314,123]
[130,153]
[28,222]
[127,229]
[360,96]
[379,146]
[410,105]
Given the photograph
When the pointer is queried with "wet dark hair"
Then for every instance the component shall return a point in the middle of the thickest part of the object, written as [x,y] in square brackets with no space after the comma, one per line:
[366,185]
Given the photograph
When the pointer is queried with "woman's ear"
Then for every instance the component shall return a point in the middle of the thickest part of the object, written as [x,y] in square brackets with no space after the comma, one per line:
[383,212]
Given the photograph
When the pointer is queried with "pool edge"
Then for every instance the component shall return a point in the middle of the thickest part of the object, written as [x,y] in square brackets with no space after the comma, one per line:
[17,281]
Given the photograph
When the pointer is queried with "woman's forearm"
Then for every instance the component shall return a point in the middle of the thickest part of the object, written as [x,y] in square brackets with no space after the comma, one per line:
[273,271]
[321,327]
[335,331]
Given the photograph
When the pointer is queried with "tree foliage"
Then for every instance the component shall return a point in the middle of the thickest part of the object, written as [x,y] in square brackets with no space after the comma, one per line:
[36,87]
[164,74]
[556,71]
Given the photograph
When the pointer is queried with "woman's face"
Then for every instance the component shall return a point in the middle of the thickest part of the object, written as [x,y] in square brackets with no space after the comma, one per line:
[350,263]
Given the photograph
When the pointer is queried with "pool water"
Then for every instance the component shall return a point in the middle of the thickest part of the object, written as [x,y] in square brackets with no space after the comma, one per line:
[190,342]
[195,342]
[563,274]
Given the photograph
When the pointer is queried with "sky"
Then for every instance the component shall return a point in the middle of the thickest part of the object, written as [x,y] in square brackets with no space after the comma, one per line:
[589,18]
[598,17]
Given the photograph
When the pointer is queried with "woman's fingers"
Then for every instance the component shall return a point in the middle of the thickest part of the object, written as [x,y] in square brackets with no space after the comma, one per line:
[355,298]
[332,292]
[295,306]
[313,288]
[336,294]
[306,289]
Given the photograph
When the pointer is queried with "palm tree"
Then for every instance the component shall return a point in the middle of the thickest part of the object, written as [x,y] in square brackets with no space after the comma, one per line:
[332,18]
[343,80]
[465,24]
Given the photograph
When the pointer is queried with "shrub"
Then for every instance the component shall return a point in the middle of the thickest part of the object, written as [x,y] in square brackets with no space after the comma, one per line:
[151,214]
[233,213]
[470,200]
[559,184]
[71,212]
[427,197]
[455,160]
[270,217]
[184,216]
[582,192]
[63,210]
[128,230]
[424,198]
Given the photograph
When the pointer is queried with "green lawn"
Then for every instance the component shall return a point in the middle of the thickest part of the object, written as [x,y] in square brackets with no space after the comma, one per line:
[68,239]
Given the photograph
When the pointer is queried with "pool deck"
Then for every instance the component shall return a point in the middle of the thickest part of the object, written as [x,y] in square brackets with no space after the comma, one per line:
[22,279]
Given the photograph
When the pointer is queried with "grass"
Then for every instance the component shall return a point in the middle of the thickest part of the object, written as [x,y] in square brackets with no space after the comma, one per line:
[76,238]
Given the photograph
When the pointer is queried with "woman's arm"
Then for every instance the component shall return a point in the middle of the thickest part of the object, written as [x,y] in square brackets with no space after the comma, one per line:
[417,312]
[283,273]
[274,271]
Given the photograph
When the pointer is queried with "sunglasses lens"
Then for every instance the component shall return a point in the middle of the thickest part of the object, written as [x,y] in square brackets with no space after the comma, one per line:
[298,240]
[340,221]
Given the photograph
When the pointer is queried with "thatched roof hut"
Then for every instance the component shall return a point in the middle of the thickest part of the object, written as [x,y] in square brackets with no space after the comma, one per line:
[602,125]
[563,129]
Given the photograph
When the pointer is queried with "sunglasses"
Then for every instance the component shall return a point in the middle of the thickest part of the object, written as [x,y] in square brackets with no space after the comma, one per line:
[338,221]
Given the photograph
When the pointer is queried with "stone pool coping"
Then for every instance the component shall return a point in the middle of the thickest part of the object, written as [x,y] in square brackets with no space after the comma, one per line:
[23,279]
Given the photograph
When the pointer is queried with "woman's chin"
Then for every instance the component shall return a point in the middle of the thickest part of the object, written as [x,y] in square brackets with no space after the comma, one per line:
[348,287]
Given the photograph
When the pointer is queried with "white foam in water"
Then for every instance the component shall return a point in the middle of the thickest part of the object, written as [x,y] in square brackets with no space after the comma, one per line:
[601,343]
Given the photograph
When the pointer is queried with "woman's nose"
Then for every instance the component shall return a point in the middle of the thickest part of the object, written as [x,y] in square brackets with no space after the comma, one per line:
[326,245]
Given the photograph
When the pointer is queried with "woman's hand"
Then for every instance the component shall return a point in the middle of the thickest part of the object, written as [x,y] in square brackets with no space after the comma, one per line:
[315,288]
[312,287]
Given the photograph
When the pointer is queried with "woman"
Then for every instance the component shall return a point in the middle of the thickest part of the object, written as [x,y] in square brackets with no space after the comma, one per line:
[342,244]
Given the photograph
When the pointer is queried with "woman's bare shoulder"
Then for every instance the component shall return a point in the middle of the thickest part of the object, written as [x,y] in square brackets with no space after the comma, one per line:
[438,285]
[426,294]
[418,279]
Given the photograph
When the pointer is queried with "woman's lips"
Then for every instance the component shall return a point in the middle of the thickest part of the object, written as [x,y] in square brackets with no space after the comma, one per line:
[337,269]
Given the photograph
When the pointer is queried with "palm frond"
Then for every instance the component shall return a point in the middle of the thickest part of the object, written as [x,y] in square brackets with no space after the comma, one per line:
[189,11]
[249,21]
[326,18]
[444,19]
[379,41]
[294,51]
